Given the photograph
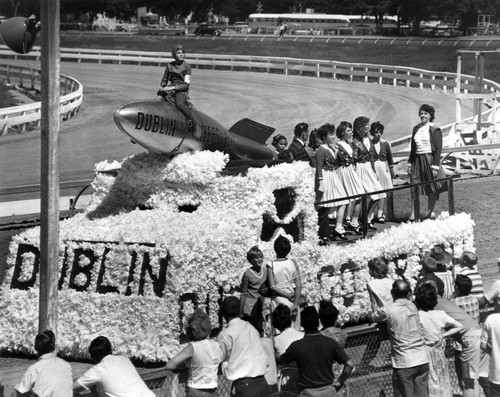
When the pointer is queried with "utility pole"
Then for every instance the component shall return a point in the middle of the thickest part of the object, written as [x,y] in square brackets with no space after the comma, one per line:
[49,179]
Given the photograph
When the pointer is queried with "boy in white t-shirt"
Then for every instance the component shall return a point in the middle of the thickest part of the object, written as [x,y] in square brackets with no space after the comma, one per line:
[114,376]
[50,375]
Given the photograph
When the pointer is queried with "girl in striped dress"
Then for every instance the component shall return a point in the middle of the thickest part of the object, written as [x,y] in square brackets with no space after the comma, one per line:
[364,168]
[382,163]
[347,174]
[327,184]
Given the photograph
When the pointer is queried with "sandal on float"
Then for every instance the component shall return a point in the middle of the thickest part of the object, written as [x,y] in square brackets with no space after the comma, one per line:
[356,229]
[339,235]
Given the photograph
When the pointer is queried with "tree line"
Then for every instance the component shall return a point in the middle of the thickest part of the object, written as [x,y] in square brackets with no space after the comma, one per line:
[412,12]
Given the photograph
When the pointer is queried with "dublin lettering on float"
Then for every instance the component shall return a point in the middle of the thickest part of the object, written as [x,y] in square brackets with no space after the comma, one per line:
[140,264]
[155,123]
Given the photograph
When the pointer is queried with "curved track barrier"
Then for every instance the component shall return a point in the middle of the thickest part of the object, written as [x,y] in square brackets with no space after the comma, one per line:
[27,117]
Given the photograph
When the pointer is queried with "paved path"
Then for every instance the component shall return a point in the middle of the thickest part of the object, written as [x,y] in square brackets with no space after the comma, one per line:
[277,100]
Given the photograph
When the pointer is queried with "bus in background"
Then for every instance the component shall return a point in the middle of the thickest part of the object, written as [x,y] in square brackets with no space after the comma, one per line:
[316,24]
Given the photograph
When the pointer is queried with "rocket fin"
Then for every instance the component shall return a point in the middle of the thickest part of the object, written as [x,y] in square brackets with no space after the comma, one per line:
[252,130]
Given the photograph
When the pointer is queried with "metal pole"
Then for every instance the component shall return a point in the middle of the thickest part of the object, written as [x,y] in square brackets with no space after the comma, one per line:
[451,197]
[480,91]
[49,181]
[416,202]
[364,212]
[458,108]
[476,85]
[390,205]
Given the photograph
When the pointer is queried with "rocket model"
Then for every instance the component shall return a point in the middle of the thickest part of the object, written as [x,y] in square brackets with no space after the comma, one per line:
[160,127]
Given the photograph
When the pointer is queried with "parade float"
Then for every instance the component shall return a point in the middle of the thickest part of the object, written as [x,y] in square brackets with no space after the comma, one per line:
[166,235]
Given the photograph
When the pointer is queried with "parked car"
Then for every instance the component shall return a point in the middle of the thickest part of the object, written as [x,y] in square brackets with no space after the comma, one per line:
[205,28]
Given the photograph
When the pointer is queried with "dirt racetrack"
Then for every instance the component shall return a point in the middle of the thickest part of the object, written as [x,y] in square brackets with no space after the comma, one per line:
[276,100]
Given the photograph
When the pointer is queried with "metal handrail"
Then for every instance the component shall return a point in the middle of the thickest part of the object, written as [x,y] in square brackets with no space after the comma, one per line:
[4,191]
[415,197]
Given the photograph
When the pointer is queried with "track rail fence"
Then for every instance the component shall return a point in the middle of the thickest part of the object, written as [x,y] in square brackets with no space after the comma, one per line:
[27,117]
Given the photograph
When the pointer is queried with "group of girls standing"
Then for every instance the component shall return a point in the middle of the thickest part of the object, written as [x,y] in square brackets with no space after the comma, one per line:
[353,159]
[349,163]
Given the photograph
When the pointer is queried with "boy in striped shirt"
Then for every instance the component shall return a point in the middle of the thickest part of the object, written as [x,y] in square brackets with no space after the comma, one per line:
[468,267]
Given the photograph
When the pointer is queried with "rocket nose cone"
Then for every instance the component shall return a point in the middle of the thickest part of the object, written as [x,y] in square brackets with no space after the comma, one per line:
[125,116]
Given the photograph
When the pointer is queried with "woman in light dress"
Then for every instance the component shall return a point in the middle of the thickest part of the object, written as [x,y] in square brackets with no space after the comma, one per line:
[327,184]
[436,326]
[347,173]
[363,144]
[383,164]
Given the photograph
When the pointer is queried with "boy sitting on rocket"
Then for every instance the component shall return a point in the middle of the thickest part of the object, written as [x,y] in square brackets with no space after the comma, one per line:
[176,80]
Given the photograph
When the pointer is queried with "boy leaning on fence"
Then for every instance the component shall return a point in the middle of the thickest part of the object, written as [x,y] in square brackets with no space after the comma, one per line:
[50,375]
[114,375]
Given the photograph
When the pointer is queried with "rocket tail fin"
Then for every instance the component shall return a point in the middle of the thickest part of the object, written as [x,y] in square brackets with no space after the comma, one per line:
[252,130]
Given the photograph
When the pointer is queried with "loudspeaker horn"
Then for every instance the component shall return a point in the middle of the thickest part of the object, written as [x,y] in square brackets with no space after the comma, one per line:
[19,33]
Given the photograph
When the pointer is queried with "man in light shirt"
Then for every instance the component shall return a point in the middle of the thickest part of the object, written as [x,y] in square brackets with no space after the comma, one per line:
[114,376]
[50,375]
[409,354]
[243,352]
[282,321]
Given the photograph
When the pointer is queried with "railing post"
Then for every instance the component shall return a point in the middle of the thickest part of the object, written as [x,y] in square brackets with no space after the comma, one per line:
[364,212]
[451,196]
[416,202]
[390,205]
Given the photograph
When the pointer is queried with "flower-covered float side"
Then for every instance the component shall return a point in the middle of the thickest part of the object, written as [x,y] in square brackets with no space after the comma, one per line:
[165,236]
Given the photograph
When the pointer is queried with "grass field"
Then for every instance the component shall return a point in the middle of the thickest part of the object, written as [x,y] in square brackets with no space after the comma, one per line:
[431,57]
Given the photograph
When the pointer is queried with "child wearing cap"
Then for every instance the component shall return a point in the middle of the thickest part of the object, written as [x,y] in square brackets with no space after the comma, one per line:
[443,264]
[427,273]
